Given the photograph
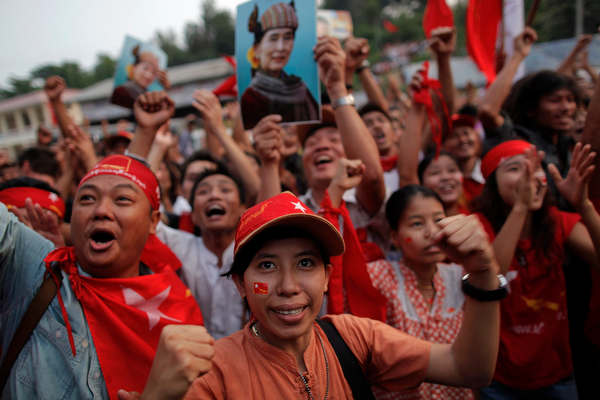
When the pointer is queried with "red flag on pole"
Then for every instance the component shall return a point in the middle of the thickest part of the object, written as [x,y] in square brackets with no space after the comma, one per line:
[437,15]
[483,17]
[388,26]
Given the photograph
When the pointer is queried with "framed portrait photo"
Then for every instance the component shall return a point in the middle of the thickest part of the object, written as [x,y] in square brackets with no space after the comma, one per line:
[276,70]
[138,69]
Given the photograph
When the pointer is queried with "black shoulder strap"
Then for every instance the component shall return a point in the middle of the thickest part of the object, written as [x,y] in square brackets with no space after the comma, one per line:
[350,365]
[31,318]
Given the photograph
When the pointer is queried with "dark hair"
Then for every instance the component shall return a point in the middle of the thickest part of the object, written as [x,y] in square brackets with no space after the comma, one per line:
[495,210]
[429,158]
[41,160]
[372,107]
[200,155]
[218,171]
[25,181]
[246,253]
[401,198]
[526,94]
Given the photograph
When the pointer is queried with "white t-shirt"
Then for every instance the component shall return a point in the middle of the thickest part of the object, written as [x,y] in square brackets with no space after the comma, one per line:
[220,302]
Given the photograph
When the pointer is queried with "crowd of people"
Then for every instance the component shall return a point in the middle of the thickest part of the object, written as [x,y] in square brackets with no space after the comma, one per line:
[430,244]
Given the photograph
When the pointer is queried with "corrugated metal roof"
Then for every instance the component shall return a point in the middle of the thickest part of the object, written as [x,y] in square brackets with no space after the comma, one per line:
[31,99]
[179,75]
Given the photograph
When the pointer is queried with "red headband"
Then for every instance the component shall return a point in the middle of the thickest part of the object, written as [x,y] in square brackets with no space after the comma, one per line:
[131,169]
[16,196]
[498,154]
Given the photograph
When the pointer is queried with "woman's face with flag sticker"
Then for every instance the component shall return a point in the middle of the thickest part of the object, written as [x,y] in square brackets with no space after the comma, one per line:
[284,285]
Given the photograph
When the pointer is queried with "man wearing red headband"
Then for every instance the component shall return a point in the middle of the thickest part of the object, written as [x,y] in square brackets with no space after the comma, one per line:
[113,300]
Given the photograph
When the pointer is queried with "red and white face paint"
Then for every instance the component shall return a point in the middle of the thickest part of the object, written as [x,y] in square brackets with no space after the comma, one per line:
[260,287]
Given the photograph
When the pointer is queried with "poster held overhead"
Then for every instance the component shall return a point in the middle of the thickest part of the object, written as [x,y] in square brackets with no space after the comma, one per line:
[140,69]
[276,70]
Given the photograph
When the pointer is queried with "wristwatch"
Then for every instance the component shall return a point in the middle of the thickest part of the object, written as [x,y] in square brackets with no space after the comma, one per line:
[347,100]
[363,65]
[485,295]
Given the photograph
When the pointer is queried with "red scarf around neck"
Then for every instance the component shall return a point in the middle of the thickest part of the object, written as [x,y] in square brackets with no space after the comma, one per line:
[349,274]
[126,316]
[388,163]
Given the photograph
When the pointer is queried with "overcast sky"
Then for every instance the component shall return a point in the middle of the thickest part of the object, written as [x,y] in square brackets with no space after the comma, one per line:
[37,32]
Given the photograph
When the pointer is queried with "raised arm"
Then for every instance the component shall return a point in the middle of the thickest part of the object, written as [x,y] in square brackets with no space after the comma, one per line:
[567,67]
[443,44]
[357,51]
[498,91]
[357,141]
[210,110]
[151,110]
[585,237]
[54,88]
[162,142]
[268,141]
[469,361]
[409,143]
[591,135]
[505,243]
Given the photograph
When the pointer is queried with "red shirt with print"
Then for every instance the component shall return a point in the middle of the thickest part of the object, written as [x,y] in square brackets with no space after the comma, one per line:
[534,331]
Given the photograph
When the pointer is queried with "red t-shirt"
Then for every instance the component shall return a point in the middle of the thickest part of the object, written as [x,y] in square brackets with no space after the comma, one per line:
[534,330]
[592,325]
[471,189]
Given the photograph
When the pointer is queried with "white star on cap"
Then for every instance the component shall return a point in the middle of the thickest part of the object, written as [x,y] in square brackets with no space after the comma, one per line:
[298,206]
[53,197]
[149,306]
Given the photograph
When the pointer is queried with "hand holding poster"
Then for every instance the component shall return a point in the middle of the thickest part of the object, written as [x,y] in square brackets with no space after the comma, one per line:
[140,69]
[277,73]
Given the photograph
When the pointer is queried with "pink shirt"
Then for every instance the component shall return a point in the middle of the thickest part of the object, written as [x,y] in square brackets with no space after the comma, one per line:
[409,311]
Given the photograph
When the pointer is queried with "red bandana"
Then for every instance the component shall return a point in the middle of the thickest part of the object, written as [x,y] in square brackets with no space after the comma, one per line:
[389,163]
[129,168]
[349,271]
[126,316]
[423,96]
[498,154]
[16,196]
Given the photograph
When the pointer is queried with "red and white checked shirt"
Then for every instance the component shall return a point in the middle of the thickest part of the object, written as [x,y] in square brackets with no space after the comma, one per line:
[409,311]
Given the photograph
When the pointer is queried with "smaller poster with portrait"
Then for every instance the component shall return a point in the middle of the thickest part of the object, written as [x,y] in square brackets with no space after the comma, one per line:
[335,23]
[276,70]
[141,68]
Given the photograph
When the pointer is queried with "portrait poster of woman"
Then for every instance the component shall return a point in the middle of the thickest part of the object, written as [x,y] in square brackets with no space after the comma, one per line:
[140,69]
[276,70]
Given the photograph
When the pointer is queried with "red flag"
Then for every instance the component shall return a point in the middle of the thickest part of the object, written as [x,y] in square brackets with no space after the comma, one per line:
[126,316]
[229,86]
[261,288]
[483,17]
[388,26]
[437,15]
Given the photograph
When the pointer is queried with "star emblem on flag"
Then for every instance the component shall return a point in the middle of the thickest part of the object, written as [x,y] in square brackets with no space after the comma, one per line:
[149,306]
[298,206]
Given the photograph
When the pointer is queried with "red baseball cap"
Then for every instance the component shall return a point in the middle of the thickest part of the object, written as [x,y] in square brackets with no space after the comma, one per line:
[287,210]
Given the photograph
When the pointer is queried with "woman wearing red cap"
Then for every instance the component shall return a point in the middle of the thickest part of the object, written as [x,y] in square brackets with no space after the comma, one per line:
[281,268]
[529,236]
[271,90]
